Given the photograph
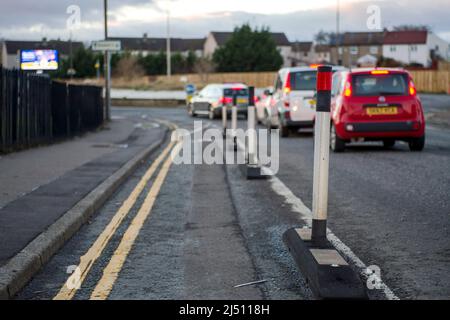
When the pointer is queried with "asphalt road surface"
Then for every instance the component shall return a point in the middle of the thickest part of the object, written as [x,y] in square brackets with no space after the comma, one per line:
[197,231]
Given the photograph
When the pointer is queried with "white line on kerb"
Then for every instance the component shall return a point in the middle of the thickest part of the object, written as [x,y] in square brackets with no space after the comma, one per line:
[298,206]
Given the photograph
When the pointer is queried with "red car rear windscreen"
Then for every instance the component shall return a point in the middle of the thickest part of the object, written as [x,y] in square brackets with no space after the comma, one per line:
[380,85]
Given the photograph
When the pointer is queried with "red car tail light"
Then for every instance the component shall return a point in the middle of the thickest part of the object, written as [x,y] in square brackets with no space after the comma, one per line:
[226,100]
[412,88]
[348,89]
[287,87]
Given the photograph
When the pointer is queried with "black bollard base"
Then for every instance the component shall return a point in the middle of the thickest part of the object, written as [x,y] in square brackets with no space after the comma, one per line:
[327,273]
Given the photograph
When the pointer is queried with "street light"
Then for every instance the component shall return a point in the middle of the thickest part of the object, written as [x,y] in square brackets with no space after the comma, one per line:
[168,51]
[338,55]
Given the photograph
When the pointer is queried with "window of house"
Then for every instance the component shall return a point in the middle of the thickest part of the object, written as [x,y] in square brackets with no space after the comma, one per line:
[393,49]
[373,50]
[353,50]
[341,50]
[413,48]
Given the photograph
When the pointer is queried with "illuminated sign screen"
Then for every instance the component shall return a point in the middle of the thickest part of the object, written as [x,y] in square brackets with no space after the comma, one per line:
[45,59]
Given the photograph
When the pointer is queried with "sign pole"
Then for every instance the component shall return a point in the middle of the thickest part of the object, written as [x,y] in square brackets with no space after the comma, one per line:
[321,155]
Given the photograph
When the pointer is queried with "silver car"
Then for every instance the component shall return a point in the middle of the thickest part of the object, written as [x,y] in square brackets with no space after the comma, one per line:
[210,100]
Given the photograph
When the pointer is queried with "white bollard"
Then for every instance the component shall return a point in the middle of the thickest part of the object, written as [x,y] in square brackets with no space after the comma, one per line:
[252,137]
[321,155]
[224,115]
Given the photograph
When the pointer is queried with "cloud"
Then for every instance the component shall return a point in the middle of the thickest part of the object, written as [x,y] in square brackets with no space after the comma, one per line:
[26,19]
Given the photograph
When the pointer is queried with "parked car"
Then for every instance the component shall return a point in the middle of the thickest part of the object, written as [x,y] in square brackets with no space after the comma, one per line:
[376,104]
[293,104]
[213,97]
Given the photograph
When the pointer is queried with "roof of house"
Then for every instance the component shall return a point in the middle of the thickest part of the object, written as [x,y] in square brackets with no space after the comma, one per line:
[406,37]
[222,37]
[301,46]
[159,44]
[362,38]
[63,47]
[322,48]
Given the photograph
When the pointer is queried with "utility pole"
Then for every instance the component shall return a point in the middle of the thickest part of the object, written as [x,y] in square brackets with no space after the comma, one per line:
[168,54]
[107,66]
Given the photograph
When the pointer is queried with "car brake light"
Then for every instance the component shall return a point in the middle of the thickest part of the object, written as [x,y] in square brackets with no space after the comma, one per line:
[226,100]
[375,72]
[348,89]
[287,87]
[287,104]
[412,88]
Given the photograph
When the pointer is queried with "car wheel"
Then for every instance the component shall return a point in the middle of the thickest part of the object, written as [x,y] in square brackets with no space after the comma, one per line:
[417,144]
[387,144]
[336,143]
[191,111]
[211,113]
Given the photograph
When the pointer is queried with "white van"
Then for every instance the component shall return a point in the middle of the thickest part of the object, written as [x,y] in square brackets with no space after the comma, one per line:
[293,101]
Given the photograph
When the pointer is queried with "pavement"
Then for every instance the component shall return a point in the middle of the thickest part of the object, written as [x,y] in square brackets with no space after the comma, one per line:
[24,171]
[209,230]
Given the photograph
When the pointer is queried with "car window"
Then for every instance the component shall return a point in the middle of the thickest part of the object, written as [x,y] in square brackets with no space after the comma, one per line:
[204,91]
[380,84]
[241,92]
[304,80]
[336,81]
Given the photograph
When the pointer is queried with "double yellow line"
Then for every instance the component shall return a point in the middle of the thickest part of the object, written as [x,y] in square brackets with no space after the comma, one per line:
[110,273]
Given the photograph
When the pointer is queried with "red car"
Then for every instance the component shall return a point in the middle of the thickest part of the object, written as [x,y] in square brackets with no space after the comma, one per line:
[376,105]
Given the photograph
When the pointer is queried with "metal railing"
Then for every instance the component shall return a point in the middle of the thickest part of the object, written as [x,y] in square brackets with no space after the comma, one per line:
[36,110]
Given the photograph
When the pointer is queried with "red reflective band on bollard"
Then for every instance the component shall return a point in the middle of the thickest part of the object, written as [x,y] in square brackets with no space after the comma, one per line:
[324,81]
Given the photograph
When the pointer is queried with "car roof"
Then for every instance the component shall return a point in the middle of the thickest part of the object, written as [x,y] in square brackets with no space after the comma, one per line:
[309,68]
[229,85]
[368,70]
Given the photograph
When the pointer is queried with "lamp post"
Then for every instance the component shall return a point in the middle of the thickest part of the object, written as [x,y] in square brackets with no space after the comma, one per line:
[168,50]
[107,66]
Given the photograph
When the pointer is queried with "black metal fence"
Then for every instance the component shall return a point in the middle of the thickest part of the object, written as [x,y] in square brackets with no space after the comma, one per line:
[36,110]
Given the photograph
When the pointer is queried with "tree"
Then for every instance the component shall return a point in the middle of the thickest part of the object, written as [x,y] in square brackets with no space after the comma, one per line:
[128,67]
[83,61]
[204,66]
[248,50]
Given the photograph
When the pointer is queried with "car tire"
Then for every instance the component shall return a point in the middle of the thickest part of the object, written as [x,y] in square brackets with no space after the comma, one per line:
[336,143]
[191,111]
[211,113]
[389,143]
[417,144]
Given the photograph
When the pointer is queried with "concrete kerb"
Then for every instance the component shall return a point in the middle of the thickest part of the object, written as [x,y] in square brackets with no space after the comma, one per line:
[16,273]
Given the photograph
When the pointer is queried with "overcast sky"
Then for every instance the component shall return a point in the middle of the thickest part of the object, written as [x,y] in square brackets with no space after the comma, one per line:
[299,19]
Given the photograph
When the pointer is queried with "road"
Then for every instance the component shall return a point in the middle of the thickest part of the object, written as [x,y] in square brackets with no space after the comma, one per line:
[208,229]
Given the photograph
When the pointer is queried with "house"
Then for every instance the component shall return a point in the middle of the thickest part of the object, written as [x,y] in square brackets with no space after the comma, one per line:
[215,40]
[354,45]
[146,45]
[11,49]
[322,53]
[302,53]
[415,47]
